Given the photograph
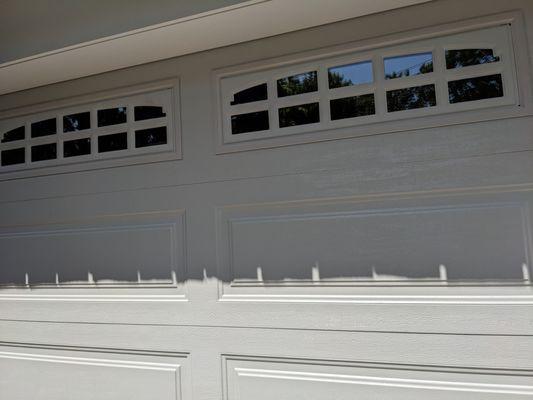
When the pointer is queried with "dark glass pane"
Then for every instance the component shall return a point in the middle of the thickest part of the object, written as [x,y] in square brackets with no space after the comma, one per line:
[297,84]
[410,98]
[483,87]
[14,134]
[13,156]
[112,116]
[148,112]
[43,128]
[348,75]
[350,107]
[78,147]
[467,57]
[413,64]
[250,122]
[298,115]
[76,122]
[255,93]
[44,152]
[114,142]
[151,137]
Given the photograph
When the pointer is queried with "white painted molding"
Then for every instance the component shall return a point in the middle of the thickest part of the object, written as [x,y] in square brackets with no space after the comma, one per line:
[247,21]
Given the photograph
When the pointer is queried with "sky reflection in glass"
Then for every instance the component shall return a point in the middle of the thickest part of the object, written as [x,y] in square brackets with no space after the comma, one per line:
[412,64]
[351,74]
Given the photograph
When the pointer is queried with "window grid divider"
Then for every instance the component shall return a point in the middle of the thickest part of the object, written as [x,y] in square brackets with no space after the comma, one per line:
[323,93]
[441,85]
[380,95]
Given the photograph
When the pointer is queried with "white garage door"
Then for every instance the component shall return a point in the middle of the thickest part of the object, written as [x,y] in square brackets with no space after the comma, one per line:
[338,213]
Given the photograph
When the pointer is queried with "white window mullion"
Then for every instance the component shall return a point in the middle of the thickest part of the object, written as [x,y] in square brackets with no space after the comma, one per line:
[94,135]
[323,94]
[380,97]
[272,92]
[441,85]
[130,121]
[27,146]
[60,137]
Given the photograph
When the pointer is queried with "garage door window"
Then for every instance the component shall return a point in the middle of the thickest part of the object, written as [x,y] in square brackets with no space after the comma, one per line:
[459,58]
[116,128]
[476,88]
[422,78]
[408,65]
[297,84]
[350,75]
[77,122]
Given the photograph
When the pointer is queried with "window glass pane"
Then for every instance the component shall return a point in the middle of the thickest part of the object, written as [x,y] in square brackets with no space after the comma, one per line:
[13,156]
[352,74]
[467,57]
[148,112]
[249,122]
[350,107]
[112,116]
[297,84]
[44,128]
[410,98]
[151,137]
[114,142]
[78,147]
[413,64]
[77,122]
[14,134]
[470,89]
[255,93]
[298,115]
[44,152]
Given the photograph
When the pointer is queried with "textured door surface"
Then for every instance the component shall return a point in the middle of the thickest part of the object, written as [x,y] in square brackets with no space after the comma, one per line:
[383,259]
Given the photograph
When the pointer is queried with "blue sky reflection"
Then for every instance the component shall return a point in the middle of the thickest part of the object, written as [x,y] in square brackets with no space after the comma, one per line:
[413,64]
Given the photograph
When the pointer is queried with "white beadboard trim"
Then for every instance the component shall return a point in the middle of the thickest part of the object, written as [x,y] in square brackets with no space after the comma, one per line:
[247,21]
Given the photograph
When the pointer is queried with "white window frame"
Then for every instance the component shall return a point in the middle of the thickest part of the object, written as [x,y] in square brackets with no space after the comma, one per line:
[502,33]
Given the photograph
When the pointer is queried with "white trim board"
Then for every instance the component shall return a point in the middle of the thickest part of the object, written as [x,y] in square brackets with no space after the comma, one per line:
[247,21]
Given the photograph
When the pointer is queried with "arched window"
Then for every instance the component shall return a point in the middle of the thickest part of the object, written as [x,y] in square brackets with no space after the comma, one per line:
[124,126]
[419,78]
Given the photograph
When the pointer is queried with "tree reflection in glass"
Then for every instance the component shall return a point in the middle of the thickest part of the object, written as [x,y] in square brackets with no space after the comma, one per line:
[299,115]
[409,65]
[351,74]
[470,89]
[467,57]
[297,84]
[411,98]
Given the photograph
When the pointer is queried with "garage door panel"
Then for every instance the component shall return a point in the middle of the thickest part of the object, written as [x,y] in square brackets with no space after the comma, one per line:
[463,141]
[452,175]
[298,233]
[441,242]
[51,374]
[407,243]
[470,148]
[132,248]
[287,379]
[512,354]
[425,313]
